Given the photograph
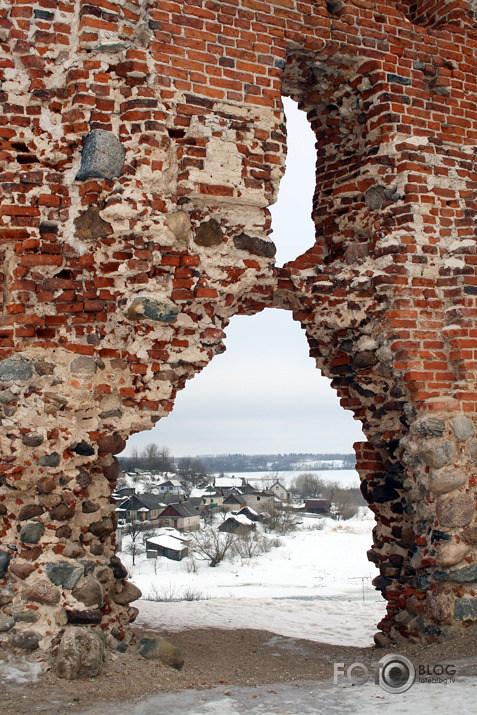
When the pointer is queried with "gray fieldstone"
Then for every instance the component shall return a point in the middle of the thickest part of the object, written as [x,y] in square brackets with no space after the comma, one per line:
[64,574]
[15,369]
[152,647]
[49,460]
[5,559]
[25,616]
[27,640]
[179,224]
[6,595]
[6,623]
[146,308]
[456,511]
[77,616]
[61,513]
[102,528]
[462,427]
[442,482]
[32,532]
[32,439]
[436,453]
[466,575]
[102,156]
[90,593]
[7,396]
[375,196]
[465,609]
[254,245]
[472,450]
[83,365]
[429,427]
[80,654]
[470,534]
[125,593]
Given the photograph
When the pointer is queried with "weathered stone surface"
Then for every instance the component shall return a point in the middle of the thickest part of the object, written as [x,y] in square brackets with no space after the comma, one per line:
[88,507]
[112,471]
[102,528]
[32,439]
[111,444]
[80,655]
[49,460]
[465,609]
[462,427]
[89,593]
[6,595]
[83,365]
[452,554]
[125,593]
[4,562]
[102,156]
[26,640]
[42,591]
[64,574]
[364,359]
[148,308]
[83,478]
[442,481]
[470,535]
[29,511]
[153,647]
[3,510]
[32,532]
[27,616]
[437,454]
[465,575]
[45,485]
[455,511]
[78,616]
[6,623]
[63,532]
[209,234]
[22,570]
[119,570]
[61,513]
[89,226]
[179,224]
[83,449]
[375,196]
[254,245]
[15,369]
[429,427]
[382,641]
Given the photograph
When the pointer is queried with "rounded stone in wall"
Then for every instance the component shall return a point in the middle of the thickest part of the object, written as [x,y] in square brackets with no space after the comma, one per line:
[436,453]
[442,481]
[80,654]
[456,511]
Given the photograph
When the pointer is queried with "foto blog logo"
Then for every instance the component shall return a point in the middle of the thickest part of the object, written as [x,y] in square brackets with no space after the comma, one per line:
[393,673]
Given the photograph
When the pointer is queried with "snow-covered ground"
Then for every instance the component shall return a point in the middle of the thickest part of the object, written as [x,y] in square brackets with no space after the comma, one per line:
[344,477]
[316,585]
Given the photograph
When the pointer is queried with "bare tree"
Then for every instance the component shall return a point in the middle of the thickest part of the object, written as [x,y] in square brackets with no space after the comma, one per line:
[279,520]
[134,549]
[213,545]
[307,485]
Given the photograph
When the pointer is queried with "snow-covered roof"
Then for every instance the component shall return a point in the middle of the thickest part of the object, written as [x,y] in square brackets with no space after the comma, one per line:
[241,518]
[167,542]
[228,481]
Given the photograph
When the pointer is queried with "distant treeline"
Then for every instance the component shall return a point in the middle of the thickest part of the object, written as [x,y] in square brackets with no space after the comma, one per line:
[273,462]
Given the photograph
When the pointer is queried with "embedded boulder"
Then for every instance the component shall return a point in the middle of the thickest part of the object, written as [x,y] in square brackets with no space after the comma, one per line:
[80,654]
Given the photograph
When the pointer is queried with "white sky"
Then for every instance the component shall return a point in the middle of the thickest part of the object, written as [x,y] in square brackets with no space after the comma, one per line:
[264,394]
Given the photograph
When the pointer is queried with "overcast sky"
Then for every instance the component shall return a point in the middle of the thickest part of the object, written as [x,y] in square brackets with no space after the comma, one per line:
[264,394]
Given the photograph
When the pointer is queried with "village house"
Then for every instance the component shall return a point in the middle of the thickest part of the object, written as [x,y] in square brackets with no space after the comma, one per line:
[167,543]
[141,507]
[233,502]
[317,506]
[281,492]
[260,501]
[181,515]
[237,524]
[169,486]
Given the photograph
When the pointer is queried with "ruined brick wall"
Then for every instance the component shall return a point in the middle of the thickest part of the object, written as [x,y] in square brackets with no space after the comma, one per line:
[141,144]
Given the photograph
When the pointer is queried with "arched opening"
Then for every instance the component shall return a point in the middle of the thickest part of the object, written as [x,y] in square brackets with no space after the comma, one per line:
[264,396]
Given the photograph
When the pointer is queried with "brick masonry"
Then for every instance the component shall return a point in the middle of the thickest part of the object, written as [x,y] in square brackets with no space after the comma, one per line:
[140,146]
